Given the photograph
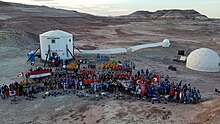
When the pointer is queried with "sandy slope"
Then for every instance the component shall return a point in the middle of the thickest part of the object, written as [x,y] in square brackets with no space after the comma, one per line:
[210,112]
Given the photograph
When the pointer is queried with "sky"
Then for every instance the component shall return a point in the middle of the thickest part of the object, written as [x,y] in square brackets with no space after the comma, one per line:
[211,8]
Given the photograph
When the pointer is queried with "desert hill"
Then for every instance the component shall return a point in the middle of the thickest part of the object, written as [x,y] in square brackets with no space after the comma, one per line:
[169,14]
[28,21]
[21,25]
[4,3]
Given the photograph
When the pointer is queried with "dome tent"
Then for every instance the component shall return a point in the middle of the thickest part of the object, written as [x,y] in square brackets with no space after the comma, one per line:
[166,43]
[203,59]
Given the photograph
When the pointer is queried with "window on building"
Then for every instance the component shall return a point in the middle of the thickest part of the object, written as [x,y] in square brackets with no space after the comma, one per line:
[53,41]
[69,40]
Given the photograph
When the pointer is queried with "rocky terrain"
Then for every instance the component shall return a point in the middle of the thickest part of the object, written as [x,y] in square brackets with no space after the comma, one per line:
[168,14]
[187,30]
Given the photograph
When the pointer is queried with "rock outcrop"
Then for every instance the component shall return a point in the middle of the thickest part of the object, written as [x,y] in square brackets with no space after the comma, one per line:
[168,14]
[4,4]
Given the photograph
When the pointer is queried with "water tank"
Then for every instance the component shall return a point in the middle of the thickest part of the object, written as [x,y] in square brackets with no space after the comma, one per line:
[31,56]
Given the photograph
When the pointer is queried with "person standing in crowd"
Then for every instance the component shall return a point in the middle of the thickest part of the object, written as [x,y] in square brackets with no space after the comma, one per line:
[1,90]
[167,78]
[6,88]
[76,84]
[147,72]
[137,89]
[80,84]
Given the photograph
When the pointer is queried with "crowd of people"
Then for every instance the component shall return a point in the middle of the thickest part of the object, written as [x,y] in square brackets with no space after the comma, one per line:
[142,85]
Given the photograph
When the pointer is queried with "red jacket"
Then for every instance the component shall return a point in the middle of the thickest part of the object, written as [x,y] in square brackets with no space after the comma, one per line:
[172,92]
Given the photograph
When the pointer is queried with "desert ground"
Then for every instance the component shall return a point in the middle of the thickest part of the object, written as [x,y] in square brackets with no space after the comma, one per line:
[19,32]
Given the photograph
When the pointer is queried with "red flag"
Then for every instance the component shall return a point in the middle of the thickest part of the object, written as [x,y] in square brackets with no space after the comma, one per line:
[158,78]
[155,79]
[21,74]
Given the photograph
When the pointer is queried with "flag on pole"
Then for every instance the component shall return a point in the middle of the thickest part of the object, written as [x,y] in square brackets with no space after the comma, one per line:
[21,74]
[156,79]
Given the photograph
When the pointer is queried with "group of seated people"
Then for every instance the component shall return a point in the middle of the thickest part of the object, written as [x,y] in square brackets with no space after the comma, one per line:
[142,85]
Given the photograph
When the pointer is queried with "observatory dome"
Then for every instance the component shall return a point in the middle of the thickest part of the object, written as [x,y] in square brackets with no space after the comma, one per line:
[166,43]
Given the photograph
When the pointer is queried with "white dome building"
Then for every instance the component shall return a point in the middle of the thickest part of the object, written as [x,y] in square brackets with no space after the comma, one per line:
[59,42]
[166,43]
[203,59]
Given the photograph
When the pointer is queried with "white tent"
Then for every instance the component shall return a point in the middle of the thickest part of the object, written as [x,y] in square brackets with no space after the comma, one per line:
[124,50]
[203,59]
[139,47]
[58,42]
[104,51]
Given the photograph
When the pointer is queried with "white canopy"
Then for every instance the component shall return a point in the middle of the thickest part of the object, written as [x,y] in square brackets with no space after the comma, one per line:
[106,51]
[120,50]
[138,47]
